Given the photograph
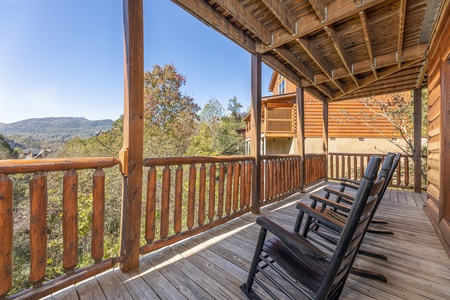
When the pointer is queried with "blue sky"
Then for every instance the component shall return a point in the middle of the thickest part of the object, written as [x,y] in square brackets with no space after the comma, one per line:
[65,57]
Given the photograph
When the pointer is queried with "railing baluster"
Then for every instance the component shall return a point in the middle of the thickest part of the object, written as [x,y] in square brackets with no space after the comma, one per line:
[236,174]
[243,182]
[150,219]
[98,215]
[191,196]
[355,167]
[6,234]
[248,184]
[361,167]
[38,228]
[212,192]
[70,221]
[343,167]
[399,173]
[406,161]
[201,195]
[229,189]
[178,209]
[165,200]
[337,167]
[221,190]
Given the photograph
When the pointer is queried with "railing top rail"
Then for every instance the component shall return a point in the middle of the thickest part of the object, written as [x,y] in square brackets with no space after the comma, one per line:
[278,156]
[164,161]
[19,166]
[366,154]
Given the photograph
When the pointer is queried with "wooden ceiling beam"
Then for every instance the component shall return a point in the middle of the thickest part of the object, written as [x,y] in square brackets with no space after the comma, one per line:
[319,8]
[339,46]
[422,73]
[309,48]
[365,27]
[382,61]
[401,29]
[388,90]
[280,11]
[302,69]
[281,68]
[336,10]
[208,15]
[246,18]
[369,80]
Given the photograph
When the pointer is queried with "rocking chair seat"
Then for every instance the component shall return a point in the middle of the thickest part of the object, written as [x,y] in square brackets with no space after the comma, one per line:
[307,270]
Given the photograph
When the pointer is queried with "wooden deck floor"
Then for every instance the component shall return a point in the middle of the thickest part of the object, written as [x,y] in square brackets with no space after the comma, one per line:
[214,264]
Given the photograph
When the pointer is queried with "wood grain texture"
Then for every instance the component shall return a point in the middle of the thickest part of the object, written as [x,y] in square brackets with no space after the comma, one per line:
[98,215]
[6,234]
[70,221]
[38,228]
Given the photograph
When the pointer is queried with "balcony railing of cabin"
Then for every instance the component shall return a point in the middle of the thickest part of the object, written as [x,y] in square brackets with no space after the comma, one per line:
[352,166]
[184,196]
[38,192]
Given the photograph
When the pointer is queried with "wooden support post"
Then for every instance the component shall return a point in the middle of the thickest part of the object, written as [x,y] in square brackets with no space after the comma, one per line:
[325,137]
[255,150]
[300,100]
[133,137]
[417,151]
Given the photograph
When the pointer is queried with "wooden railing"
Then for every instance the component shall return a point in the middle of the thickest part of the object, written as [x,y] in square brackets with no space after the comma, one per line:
[38,192]
[314,168]
[188,195]
[280,176]
[352,166]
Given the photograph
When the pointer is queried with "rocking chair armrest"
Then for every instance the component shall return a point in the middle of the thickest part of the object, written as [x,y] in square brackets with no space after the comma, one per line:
[325,219]
[296,243]
[350,185]
[346,180]
[329,202]
[344,196]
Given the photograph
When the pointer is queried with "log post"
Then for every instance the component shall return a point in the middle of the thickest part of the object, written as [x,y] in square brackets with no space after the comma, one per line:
[133,137]
[325,137]
[300,100]
[6,234]
[417,140]
[256,130]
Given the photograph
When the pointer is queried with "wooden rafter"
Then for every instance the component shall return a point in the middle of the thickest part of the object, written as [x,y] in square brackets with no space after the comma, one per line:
[301,68]
[365,27]
[386,60]
[422,74]
[275,64]
[339,46]
[337,10]
[309,48]
[282,14]
[319,8]
[382,74]
[212,18]
[401,28]
[243,16]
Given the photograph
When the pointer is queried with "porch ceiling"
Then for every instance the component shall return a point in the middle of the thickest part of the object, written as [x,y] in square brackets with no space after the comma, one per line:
[336,49]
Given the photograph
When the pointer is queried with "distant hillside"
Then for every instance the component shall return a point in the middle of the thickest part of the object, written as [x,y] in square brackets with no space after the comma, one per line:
[47,129]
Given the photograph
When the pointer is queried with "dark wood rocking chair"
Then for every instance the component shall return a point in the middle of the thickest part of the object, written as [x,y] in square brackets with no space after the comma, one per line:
[332,219]
[309,271]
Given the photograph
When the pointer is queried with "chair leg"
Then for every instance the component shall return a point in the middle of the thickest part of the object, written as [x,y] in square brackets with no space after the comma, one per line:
[378,221]
[306,226]
[371,253]
[380,231]
[368,274]
[255,261]
[298,222]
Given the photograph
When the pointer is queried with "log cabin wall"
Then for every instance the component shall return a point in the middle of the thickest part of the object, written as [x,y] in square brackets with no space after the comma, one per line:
[438,185]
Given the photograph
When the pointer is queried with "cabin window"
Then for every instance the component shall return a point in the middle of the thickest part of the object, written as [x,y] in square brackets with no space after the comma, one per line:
[282,87]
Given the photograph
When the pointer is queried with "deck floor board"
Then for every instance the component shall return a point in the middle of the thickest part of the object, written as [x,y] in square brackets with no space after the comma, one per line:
[213,265]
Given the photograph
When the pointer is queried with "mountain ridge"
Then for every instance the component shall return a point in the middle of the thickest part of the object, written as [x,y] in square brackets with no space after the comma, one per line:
[54,128]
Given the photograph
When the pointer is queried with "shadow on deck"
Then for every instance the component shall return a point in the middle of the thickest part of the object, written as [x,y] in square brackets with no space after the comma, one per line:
[213,265]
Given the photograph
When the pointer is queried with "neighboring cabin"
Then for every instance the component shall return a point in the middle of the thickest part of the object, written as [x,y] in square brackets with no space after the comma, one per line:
[346,132]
